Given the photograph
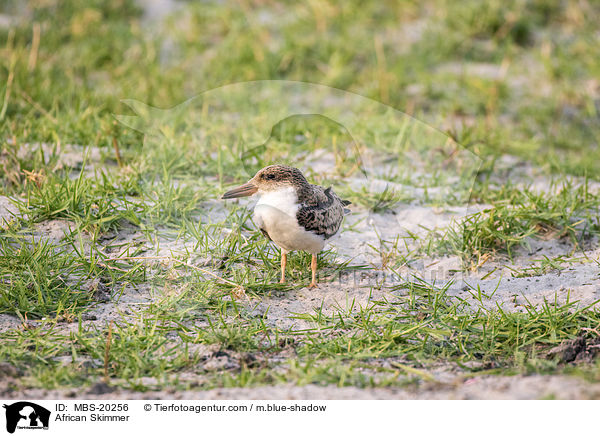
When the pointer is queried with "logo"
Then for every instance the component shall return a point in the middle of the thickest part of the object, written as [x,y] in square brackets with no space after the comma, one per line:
[26,415]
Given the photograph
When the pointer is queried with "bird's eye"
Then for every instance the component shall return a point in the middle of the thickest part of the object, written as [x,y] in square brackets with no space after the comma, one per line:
[270,176]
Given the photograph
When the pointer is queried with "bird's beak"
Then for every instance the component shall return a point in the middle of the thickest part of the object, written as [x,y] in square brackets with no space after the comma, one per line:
[245,190]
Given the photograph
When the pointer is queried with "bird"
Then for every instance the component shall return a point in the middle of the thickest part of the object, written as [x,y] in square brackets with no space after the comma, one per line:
[293,213]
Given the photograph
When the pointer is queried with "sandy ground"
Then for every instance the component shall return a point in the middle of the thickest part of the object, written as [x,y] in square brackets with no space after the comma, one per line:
[495,278]
[480,388]
[579,279]
[7,210]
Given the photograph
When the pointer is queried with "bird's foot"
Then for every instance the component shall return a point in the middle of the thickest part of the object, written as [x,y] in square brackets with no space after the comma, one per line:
[312,285]
[282,281]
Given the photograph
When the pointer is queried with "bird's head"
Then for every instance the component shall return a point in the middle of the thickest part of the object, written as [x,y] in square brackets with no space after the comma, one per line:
[271,178]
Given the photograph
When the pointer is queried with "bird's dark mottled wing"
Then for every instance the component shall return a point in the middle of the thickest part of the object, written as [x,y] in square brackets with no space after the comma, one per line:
[321,211]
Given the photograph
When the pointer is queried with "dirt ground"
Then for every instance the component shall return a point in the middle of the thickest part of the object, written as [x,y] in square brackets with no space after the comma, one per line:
[356,291]
[479,388]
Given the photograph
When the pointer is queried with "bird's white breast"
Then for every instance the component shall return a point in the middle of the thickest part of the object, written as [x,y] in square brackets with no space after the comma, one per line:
[275,212]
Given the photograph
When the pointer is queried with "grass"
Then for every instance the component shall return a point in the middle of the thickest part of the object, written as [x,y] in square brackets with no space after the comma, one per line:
[94,205]
[418,324]
[35,280]
[43,279]
[508,77]
[515,217]
[554,127]
[542,266]
[377,202]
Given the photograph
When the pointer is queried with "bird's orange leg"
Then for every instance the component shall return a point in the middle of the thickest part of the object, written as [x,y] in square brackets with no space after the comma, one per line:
[313,267]
[283,264]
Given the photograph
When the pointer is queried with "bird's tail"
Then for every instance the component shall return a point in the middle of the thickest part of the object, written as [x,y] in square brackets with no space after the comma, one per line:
[346,203]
